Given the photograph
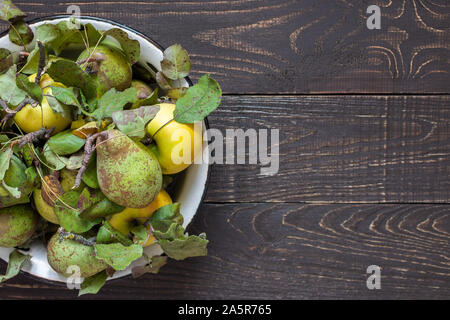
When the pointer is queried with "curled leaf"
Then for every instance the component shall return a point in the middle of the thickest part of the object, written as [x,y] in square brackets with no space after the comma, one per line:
[16,261]
[163,82]
[156,263]
[51,189]
[113,101]
[9,12]
[8,87]
[176,63]
[47,33]
[131,48]
[133,122]
[32,89]
[93,284]
[69,217]
[84,131]
[107,234]
[20,33]
[71,75]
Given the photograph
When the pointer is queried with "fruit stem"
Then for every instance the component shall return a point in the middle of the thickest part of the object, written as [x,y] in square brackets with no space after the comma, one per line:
[63,234]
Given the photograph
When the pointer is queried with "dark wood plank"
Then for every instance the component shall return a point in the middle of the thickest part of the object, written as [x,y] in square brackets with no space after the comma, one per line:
[340,149]
[293,251]
[293,46]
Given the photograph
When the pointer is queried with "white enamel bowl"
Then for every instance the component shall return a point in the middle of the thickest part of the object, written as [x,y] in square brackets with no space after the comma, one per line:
[190,190]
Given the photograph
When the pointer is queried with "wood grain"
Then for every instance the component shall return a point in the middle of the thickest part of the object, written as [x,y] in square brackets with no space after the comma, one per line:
[295,251]
[340,149]
[364,174]
[293,46]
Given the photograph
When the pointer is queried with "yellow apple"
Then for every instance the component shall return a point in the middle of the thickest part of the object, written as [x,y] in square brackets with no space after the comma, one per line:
[176,143]
[127,219]
[31,119]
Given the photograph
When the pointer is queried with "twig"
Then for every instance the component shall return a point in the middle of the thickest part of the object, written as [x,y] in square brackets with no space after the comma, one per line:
[41,64]
[89,148]
[63,234]
[36,135]
[11,113]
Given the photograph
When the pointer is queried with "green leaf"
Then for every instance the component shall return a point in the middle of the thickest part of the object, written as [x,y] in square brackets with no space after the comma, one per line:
[16,261]
[130,47]
[117,255]
[5,161]
[59,107]
[113,101]
[53,160]
[87,198]
[14,191]
[164,217]
[14,181]
[153,267]
[102,209]
[93,204]
[32,89]
[66,96]
[71,75]
[133,122]
[90,175]
[8,88]
[140,234]
[107,234]
[65,143]
[7,59]
[65,35]
[20,33]
[199,101]
[93,284]
[32,176]
[75,161]
[175,231]
[9,12]
[47,33]
[180,249]
[163,82]
[176,63]
[68,216]
[149,101]
[31,66]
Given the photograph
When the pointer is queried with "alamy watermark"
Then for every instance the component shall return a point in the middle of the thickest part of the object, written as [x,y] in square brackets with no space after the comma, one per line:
[374,20]
[374,280]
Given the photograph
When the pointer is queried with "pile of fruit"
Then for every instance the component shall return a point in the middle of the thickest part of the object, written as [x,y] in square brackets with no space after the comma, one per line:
[91,143]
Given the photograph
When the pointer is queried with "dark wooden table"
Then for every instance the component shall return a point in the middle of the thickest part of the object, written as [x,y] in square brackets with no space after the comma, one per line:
[364,148]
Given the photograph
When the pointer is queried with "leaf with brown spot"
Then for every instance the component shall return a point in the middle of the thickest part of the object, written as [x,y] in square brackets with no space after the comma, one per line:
[84,131]
[131,47]
[133,122]
[9,12]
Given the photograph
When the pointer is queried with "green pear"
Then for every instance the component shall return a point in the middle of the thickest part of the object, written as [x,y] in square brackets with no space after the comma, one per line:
[17,225]
[111,70]
[143,90]
[128,173]
[63,254]
[45,210]
[67,178]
